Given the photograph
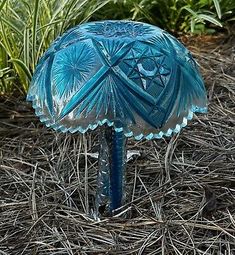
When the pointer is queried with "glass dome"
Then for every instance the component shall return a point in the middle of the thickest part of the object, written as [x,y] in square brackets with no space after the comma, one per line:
[132,76]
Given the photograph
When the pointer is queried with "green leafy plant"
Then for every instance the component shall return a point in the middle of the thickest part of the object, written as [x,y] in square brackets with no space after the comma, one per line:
[173,15]
[28,27]
[26,30]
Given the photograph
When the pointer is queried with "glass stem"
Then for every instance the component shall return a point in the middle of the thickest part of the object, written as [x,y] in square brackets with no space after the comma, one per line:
[111,172]
[117,169]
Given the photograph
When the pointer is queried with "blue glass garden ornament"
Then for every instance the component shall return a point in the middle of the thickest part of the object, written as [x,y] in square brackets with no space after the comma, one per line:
[133,79]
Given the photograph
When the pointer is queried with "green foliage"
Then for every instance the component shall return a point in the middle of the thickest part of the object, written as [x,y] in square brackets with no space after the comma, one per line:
[28,27]
[26,30]
[196,16]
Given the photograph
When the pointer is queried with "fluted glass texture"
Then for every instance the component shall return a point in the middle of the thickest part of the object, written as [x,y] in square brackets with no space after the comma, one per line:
[132,76]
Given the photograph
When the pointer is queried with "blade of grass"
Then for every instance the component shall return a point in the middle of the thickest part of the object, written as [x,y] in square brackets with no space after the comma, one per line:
[47,31]
[141,10]
[217,7]
[72,4]
[2,4]
[5,42]
[94,10]
[3,57]
[25,70]
[34,31]
[209,19]
[23,67]
[12,26]
[26,45]
[192,24]
[193,13]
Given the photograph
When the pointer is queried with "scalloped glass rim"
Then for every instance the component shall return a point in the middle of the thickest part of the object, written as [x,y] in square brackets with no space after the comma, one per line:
[150,136]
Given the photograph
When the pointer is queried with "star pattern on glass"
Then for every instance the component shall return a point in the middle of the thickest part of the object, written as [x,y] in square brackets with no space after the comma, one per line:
[147,67]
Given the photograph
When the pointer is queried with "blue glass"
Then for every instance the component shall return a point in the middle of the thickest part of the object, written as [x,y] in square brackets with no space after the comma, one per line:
[134,78]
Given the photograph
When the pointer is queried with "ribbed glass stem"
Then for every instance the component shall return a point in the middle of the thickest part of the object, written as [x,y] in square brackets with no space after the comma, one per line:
[117,170]
[111,172]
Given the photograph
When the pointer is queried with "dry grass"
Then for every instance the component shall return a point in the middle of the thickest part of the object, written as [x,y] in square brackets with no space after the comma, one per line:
[181,191]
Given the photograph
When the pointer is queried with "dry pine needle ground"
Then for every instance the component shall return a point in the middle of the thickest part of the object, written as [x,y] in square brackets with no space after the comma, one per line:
[181,191]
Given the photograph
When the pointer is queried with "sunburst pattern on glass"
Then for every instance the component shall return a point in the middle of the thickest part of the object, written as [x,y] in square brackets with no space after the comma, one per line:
[72,67]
